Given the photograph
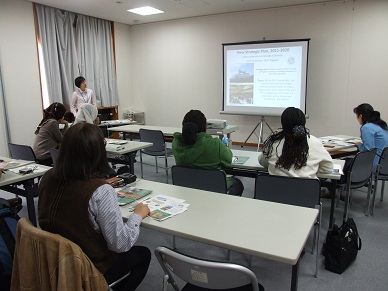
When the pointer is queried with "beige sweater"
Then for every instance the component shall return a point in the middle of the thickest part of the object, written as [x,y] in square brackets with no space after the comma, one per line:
[45,261]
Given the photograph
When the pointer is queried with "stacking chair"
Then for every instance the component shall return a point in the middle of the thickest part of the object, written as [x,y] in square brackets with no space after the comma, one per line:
[381,175]
[60,265]
[158,149]
[204,179]
[21,152]
[54,155]
[204,275]
[360,174]
[303,192]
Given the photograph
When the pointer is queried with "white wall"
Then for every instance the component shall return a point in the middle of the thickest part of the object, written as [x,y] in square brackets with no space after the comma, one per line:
[177,65]
[19,64]
[170,67]
[123,65]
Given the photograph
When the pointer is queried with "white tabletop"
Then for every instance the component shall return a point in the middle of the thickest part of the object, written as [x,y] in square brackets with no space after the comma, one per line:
[128,147]
[253,163]
[9,177]
[265,229]
[169,131]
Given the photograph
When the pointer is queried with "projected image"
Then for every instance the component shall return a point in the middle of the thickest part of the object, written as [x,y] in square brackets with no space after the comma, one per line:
[264,77]
[241,94]
[242,73]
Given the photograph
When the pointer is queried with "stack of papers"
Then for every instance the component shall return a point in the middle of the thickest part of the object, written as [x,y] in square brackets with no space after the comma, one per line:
[116,141]
[114,147]
[34,169]
[127,194]
[12,164]
[163,207]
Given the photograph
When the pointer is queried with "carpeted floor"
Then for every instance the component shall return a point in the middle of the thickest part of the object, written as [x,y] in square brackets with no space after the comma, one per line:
[368,272]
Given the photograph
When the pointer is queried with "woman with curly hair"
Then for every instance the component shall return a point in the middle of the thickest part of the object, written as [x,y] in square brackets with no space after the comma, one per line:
[293,151]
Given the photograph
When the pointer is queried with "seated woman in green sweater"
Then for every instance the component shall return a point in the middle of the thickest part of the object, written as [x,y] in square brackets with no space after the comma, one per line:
[195,148]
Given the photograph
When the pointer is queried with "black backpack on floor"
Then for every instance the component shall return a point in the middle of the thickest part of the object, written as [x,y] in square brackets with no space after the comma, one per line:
[8,223]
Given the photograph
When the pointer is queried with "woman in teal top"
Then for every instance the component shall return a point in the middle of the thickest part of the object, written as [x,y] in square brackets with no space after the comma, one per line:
[195,148]
[374,130]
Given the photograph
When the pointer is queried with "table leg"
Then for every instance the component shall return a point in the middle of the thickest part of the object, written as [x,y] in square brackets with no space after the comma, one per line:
[30,188]
[294,277]
[332,189]
[132,162]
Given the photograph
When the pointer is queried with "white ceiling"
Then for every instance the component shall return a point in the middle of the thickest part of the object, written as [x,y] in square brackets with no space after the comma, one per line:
[116,10]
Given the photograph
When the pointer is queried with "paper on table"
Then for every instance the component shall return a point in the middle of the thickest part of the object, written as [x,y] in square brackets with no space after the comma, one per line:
[35,169]
[162,206]
[116,141]
[14,164]
[337,169]
[239,160]
[113,147]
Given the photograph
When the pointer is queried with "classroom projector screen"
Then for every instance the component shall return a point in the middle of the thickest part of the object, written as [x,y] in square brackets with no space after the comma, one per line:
[264,77]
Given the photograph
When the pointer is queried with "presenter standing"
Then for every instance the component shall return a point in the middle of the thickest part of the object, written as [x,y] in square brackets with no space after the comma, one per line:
[81,95]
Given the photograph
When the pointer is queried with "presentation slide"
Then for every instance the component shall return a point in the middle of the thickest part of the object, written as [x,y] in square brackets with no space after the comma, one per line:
[265,77]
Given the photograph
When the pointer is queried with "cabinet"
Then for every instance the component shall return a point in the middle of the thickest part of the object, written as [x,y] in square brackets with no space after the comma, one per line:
[108,113]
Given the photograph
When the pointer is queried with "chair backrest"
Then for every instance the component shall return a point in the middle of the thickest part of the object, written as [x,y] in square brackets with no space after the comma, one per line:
[383,162]
[288,190]
[362,167]
[155,137]
[54,155]
[48,261]
[202,273]
[21,152]
[204,179]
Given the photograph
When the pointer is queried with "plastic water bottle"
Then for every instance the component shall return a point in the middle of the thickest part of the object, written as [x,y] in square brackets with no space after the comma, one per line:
[225,140]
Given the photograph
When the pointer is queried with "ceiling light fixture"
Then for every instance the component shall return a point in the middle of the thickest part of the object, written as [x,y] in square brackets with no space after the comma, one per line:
[147,10]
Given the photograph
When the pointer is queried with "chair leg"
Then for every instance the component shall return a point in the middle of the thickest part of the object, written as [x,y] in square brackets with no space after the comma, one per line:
[350,196]
[374,191]
[165,283]
[382,191]
[165,161]
[156,163]
[141,164]
[367,207]
[338,196]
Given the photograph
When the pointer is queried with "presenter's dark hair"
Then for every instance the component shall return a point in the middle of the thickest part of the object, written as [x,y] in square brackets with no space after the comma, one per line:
[194,122]
[55,111]
[78,81]
[295,148]
[368,114]
[82,155]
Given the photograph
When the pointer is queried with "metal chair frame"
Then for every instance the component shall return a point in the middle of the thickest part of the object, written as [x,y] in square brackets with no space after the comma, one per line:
[296,191]
[202,273]
[359,175]
[381,175]
[158,148]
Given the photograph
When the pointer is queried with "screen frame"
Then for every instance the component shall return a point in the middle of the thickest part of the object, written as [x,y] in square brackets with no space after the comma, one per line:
[261,110]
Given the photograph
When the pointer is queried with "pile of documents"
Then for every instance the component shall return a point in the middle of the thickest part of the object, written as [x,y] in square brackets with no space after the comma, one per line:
[163,207]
